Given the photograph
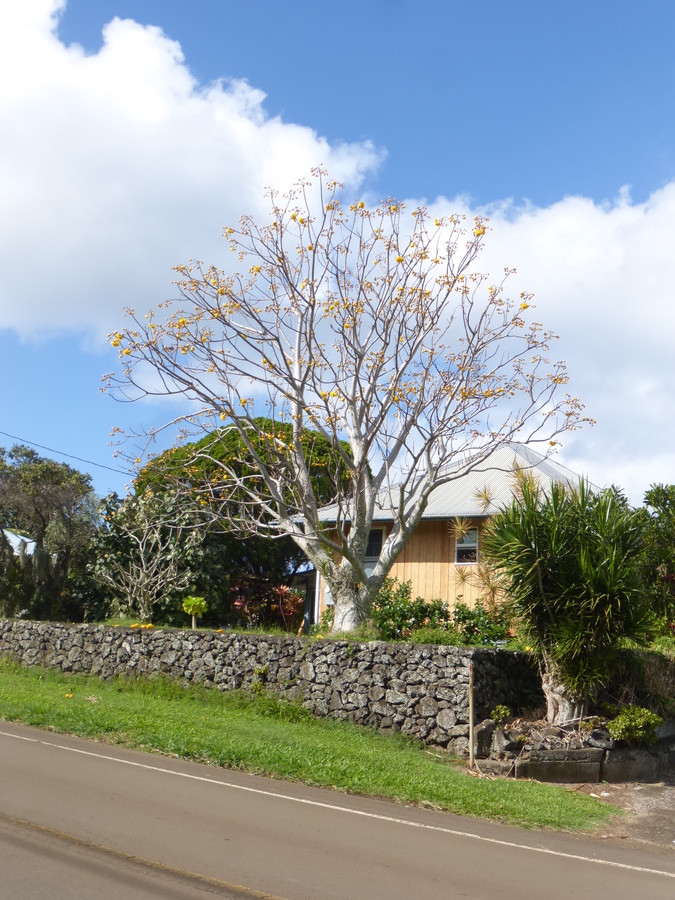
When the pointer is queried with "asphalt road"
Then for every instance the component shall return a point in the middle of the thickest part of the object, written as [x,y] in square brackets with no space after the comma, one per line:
[80,819]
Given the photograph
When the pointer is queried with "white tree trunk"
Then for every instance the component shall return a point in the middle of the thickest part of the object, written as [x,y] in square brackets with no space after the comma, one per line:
[562,704]
[350,608]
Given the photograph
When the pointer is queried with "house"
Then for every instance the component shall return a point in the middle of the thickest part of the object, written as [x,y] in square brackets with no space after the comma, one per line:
[17,543]
[442,558]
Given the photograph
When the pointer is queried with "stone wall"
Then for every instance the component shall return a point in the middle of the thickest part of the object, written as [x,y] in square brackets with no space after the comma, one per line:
[417,689]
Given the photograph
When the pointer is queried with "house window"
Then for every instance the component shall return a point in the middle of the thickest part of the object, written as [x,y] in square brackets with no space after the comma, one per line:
[375,541]
[466,547]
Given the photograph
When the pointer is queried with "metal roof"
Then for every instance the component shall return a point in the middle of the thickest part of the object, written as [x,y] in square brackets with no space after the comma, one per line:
[15,541]
[482,490]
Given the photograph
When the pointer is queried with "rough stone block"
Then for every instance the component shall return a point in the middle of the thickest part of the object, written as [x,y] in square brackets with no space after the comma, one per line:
[427,707]
[630,765]
[561,766]
[446,719]
[482,738]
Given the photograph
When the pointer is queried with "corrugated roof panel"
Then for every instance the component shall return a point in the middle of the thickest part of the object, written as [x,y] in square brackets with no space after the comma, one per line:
[493,479]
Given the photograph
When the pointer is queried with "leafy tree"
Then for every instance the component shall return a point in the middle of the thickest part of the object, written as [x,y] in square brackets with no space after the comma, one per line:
[369,326]
[250,567]
[659,549]
[569,562]
[197,468]
[54,505]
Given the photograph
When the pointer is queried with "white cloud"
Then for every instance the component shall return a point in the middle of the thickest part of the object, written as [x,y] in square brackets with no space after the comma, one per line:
[603,276]
[118,165]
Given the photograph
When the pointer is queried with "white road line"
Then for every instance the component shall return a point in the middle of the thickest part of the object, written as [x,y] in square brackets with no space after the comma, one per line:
[354,812]
[20,737]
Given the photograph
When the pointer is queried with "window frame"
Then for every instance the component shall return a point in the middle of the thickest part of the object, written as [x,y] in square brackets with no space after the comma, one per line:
[381,531]
[461,543]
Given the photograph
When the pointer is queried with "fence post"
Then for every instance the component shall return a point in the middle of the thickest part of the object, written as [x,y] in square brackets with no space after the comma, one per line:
[471,753]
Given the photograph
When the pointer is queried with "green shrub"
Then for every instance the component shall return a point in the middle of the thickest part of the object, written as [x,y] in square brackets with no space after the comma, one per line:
[396,615]
[500,713]
[436,634]
[481,625]
[635,725]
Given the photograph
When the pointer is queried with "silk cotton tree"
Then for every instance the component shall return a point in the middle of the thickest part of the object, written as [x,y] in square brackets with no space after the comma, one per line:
[369,326]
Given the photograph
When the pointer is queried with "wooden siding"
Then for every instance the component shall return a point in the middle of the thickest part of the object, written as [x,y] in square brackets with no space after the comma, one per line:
[428,561]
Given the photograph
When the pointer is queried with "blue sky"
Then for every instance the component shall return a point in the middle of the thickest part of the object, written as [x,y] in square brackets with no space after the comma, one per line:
[125,158]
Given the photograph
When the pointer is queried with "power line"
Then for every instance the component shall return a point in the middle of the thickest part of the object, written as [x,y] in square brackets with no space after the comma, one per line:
[89,462]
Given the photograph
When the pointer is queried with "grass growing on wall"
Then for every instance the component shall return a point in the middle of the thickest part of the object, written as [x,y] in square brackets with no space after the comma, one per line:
[261,734]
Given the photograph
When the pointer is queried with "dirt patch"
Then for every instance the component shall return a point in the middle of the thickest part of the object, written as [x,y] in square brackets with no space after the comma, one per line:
[651,817]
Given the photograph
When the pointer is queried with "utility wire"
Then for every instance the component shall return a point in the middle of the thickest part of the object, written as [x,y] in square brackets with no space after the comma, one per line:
[89,462]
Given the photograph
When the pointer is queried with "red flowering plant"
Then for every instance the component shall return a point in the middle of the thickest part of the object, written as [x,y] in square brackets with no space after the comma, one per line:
[259,604]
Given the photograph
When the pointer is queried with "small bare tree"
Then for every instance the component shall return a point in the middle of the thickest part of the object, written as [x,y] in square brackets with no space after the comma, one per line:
[391,346]
[146,552]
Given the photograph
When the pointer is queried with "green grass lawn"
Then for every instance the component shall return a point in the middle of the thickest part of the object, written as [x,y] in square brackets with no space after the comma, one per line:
[268,736]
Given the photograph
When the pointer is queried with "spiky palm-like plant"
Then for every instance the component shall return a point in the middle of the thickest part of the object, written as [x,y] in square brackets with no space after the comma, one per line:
[568,562]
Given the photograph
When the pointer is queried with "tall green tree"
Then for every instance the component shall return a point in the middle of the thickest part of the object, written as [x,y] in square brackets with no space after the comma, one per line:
[659,549]
[54,505]
[569,563]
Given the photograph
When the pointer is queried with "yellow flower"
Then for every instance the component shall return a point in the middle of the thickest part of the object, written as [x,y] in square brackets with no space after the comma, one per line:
[310,246]
[68,696]
[524,306]
[116,342]
[361,204]
[479,232]
[126,351]
[437,222]
[399,259]
[253,271]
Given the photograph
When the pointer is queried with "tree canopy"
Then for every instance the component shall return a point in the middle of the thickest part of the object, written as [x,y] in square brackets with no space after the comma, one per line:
[659,549]
[197,467]
[54,506]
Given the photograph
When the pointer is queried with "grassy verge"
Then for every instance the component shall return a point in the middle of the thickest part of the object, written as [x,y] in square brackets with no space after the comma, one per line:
[267,736]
